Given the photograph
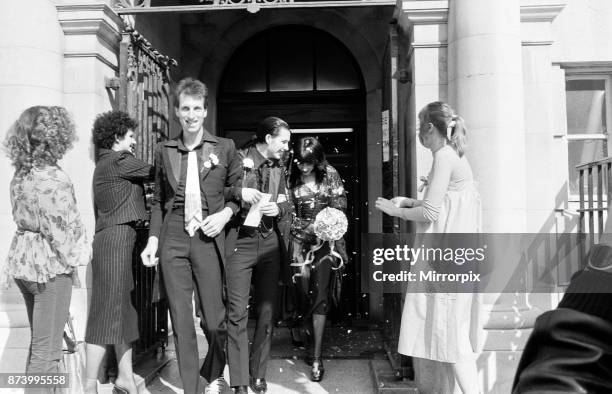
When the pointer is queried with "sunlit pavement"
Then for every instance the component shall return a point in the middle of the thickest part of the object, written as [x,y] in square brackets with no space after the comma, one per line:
[292,376]
[285,374]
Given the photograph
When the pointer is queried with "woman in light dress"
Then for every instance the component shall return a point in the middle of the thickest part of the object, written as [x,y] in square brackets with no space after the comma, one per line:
[443,327]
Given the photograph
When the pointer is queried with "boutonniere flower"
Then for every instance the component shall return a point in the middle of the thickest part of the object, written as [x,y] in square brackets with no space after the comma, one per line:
[247,163]
[212,161]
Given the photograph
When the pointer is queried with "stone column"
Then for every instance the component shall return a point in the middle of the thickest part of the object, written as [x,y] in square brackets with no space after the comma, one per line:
[469,53]
[423,24]
[509,139]
[544,86]
[92,38]
[31,73]
[486,88]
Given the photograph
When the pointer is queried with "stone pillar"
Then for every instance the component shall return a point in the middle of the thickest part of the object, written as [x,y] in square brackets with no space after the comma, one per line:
[486,88]
[469,53]
[502,90]
[544,122]
[92,38]
[423,24]
[542,118]
[31,73]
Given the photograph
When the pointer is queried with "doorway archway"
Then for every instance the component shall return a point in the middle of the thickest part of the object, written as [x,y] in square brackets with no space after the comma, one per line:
[310,79]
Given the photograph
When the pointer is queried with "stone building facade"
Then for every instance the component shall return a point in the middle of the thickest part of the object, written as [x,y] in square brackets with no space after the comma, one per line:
[523,73]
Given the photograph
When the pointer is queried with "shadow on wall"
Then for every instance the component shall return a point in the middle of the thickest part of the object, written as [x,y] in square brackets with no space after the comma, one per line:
[508,326]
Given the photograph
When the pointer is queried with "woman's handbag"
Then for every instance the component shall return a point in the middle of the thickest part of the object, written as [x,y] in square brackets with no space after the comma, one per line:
[73,360]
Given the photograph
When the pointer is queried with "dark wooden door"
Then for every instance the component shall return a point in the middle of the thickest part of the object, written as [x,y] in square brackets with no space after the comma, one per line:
[308,78]
[343,143]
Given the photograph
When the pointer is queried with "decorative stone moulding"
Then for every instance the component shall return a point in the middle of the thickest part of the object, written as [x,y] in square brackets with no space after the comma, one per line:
[422,12]
[144,6]
[99,20]
[532,11]
[133,3]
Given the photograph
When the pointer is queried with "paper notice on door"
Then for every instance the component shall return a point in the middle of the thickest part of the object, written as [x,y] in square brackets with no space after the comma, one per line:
[254,216]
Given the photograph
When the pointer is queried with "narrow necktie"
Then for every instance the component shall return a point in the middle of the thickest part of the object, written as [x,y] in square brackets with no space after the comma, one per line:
[193,199]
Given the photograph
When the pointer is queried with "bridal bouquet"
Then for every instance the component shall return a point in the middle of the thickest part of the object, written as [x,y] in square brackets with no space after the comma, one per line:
[330,225]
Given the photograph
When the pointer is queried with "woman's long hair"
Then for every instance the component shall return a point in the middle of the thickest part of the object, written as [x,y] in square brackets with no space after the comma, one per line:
[308,151]
[40,137]
[450,125]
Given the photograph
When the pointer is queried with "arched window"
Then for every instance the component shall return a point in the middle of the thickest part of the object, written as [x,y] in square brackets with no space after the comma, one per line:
[291,59]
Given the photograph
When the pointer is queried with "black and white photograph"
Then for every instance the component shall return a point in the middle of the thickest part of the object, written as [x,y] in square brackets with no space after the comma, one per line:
[305,196]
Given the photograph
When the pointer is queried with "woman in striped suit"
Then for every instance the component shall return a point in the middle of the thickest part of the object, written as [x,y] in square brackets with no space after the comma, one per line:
[119,204]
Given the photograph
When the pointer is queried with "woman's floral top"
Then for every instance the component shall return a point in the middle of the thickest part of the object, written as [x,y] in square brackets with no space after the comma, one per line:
[308,203]
[50,237]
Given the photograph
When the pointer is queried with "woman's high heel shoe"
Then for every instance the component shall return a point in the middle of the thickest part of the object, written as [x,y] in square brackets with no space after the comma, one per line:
[317,371]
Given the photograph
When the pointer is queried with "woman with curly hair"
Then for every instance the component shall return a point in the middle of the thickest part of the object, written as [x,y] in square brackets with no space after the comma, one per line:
[314,185]
[50,240]
[119,205]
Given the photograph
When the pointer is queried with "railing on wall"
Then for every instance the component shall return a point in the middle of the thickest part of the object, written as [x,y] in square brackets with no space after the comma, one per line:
[595,180]
[144,93]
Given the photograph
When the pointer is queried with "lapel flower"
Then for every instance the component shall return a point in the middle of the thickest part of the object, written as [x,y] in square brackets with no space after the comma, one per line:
[212,161]
[247,163]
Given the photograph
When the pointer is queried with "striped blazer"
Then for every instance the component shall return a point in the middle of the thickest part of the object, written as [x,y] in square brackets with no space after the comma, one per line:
[117,188]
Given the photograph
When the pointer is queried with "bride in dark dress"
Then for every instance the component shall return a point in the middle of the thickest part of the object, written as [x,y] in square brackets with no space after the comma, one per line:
[314,185]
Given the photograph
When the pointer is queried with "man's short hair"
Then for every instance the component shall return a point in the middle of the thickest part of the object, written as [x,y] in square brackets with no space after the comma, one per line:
[191,87]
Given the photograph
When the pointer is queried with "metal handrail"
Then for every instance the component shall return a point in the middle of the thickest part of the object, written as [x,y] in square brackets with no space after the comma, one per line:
[597,177]
[594,163]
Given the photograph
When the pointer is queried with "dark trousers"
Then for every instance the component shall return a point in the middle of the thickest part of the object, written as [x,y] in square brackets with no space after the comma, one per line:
[193,264]
[313,290]
[47,305]
[262,253]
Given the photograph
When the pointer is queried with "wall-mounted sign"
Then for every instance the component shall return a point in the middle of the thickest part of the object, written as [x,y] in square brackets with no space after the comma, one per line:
[385,135]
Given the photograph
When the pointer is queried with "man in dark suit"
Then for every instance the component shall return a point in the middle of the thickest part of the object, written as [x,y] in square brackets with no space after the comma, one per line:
[570,348]
[257,249]
[194,175]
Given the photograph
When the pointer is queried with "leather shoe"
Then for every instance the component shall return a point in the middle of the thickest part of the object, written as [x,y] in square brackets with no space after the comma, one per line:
[241,390]
[317,371]
[259,386]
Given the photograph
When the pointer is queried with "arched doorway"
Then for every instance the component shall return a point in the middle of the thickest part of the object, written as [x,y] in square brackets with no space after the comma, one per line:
[310,79]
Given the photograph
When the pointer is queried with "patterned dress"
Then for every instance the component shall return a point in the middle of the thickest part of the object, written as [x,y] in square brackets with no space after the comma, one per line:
[313,289]
[50,239]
